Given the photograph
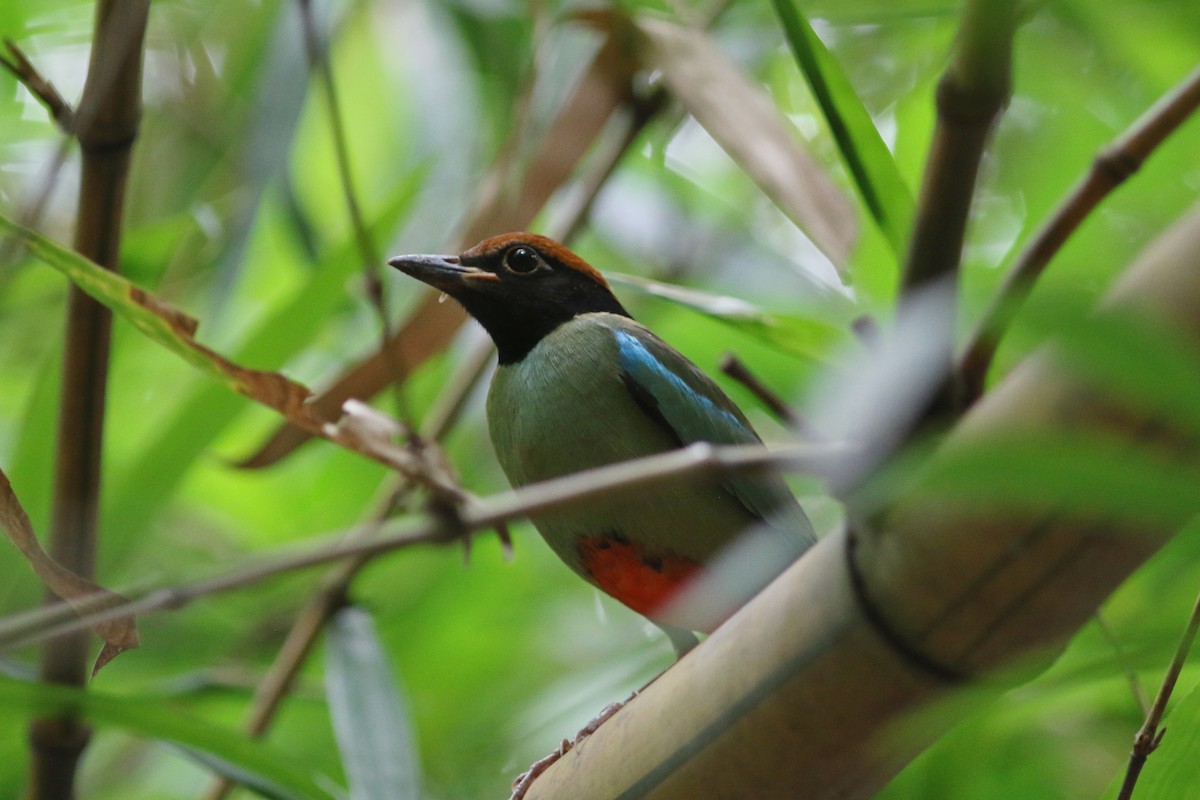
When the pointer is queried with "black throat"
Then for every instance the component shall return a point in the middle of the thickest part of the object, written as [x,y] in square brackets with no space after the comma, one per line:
[516,327]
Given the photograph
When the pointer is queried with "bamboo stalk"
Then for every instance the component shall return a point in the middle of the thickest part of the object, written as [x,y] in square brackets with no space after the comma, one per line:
[106,125]
[800,693]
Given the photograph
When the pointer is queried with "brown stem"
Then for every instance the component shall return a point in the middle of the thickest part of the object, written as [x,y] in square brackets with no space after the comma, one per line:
[19,65]
[612,482]
[970,97]
[1150,735]
[1112,167]
[106,125]
[732,366]
[318,57]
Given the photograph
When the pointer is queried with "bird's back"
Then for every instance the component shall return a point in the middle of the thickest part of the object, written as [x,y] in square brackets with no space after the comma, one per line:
[595,392]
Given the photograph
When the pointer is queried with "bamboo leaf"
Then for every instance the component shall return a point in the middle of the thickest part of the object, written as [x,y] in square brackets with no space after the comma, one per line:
[139,491]
[740,117]
[1139,359]
[166,325]
[369,716]
[1085,475]
[809,338]
[872,168]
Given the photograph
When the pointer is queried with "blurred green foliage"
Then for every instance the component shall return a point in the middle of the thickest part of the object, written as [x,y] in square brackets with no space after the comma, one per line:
[236,215]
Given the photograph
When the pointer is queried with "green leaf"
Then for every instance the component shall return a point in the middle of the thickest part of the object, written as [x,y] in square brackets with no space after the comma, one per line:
[268,770]
[138,491]
[161,322]
[369,715]
[809,338]
[868,159]
[1085,474]
[739,116]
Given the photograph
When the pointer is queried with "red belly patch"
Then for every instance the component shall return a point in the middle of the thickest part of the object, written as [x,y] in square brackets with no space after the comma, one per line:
[624,570]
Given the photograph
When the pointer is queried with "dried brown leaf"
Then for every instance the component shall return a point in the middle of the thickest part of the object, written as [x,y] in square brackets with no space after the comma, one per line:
[119,634]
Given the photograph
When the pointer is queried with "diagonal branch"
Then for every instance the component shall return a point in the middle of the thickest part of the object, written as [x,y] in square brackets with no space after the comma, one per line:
[318,56]
[20,66]
[1112,167]
[614,482]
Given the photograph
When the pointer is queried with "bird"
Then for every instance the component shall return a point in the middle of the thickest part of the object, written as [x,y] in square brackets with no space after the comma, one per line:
[581,384]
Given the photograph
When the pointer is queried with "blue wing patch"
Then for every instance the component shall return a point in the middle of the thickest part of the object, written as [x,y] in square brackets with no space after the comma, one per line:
[691,407]
[693,410]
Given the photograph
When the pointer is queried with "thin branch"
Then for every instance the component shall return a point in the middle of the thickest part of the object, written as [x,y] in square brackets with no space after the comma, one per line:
[1112,167]
[568,226]
[31,215]
[613,481]
[732,366]
[20,66]
[1150,735]
[371,259]
[1135,686]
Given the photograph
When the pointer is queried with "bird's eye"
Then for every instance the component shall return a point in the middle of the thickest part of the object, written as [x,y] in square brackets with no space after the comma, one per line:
[522,260]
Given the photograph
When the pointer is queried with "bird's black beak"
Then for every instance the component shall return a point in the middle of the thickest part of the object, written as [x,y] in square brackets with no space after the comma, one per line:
[441,272]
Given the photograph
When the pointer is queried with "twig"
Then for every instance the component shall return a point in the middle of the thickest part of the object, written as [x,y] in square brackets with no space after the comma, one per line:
[732,366]
[371,259]
[1112,167]
[31,215]
[1135,686]
[1150,735]
[446,409]
[572,221]
[613,481]
[20,66]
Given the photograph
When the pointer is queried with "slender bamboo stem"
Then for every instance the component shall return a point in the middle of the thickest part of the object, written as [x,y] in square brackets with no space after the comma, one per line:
[106,125]
[1112,167]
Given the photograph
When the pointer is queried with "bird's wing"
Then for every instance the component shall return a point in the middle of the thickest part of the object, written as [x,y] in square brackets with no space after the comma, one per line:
[692,408]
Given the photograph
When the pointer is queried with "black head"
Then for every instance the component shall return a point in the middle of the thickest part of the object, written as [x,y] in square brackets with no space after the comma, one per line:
[519,286]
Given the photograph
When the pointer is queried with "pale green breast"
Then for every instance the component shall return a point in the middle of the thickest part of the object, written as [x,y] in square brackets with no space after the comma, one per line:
[564,408]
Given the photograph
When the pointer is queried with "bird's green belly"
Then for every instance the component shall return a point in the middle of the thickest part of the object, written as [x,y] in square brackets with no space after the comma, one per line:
[550,417]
